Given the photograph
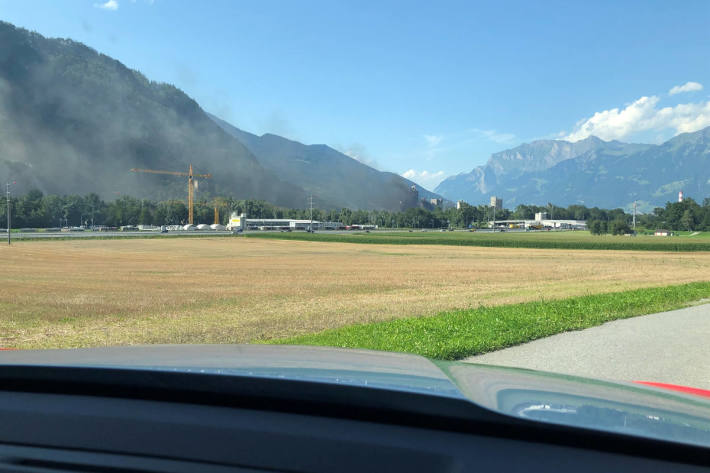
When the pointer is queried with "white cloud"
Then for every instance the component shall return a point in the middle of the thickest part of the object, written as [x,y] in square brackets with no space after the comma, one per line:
[433,140]
[436,144]
[353,154]
[108,5]
[642,115]
[425,178]
[687,87]
[494,136]
[358,152]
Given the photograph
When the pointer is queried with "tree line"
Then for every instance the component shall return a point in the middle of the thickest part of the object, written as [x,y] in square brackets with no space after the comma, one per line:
[37,210]
[679,216]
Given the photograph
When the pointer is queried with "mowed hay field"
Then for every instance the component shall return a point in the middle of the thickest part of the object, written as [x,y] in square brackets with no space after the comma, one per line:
[233,290]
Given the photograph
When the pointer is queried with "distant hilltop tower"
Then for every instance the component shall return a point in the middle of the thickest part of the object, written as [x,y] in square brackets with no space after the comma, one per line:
[680,196]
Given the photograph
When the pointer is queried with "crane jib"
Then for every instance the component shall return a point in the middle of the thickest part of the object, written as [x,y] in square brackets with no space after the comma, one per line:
[190,186]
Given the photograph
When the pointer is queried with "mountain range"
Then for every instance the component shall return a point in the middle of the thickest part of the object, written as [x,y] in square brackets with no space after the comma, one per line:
[73,121]
[591,172]
[323,171]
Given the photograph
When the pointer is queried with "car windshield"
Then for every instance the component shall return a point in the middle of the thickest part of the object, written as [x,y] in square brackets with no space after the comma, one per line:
[518,184]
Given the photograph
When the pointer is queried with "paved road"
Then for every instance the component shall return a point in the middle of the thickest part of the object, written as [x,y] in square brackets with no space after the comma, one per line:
[50,235]
[671,347]
[89,234]
[175,233]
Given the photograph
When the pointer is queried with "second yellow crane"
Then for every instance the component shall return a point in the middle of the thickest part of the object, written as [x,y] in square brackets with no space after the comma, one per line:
[190,187]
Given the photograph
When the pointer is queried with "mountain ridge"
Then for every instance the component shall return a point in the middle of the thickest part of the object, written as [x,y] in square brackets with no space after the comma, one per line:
[73,120]
[591,172]
[329,174]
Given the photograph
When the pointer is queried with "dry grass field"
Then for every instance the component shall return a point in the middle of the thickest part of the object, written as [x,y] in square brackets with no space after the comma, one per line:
[230,290]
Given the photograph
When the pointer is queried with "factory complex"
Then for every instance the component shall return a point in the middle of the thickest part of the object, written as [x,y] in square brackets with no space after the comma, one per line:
[547,224]
[241,222]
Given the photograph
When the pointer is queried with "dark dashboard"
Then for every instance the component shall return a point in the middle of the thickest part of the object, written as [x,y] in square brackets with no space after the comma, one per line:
[54,432]
[57,416]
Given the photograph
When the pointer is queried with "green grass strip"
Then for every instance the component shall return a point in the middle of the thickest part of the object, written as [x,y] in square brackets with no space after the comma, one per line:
[458,334]
[557,240]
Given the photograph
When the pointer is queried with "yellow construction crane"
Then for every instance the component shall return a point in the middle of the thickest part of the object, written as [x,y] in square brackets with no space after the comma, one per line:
[190,187]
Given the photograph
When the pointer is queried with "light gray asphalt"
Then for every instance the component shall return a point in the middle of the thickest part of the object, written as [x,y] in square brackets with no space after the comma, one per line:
[669,347]
[50,235]
[138,234]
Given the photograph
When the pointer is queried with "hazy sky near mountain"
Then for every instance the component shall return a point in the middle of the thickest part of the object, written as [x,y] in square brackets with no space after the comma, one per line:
[425,89]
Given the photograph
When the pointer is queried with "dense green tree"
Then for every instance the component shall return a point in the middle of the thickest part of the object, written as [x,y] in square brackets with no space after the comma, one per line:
[687,220]
[123,211]
[619,226]
[37,210]
[29,209]
[705,223]
[597,227]
[578,212]
[170,212]
[52,209]
[94,208]
[146,216]
[686,215]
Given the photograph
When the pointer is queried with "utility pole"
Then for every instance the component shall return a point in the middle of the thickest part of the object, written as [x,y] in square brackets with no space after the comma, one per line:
[311,227]
[7,187]
[634,216]
[190,197]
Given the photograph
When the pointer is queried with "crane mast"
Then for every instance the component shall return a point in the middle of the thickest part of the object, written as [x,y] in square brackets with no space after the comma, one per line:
[190,187]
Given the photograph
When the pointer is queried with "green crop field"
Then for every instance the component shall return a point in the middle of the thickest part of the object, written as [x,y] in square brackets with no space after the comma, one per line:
[569,240]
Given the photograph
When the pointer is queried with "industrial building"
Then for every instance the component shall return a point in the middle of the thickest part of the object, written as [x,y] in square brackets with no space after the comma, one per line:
[496,203]
[540,224]
[290,224]
[240,222]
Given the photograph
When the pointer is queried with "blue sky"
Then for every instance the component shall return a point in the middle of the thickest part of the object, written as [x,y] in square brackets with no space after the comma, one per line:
[424,89]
